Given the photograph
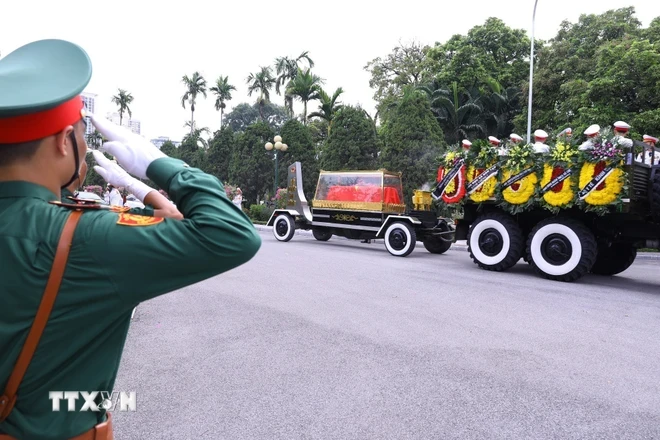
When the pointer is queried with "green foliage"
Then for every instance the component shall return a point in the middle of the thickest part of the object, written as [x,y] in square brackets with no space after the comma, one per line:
[260,213]
[170,149]
[221,147]
[352,142]
[412,141]
[301,148]
[244,115]
[251,165]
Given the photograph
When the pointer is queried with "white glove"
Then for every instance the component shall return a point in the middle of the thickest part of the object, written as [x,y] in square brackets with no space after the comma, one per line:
[133,152]
[118,177]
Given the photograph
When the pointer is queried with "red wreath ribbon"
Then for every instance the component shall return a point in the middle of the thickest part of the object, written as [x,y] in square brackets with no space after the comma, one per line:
[459,185]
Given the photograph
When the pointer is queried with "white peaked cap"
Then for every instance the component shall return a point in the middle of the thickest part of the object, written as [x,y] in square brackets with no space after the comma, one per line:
[515,137]
[592,129]
[646,137]
[541,134]
[466,142]
[493,139]
[621,124]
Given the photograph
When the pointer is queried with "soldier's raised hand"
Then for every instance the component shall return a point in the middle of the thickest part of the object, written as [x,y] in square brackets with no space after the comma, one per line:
[133,152]
[118,177]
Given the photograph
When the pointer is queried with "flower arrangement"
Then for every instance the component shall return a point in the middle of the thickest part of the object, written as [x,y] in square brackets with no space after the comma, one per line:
[482,159]
[557,188]
[519,178]
[280,198]
[602,180]
[455,189]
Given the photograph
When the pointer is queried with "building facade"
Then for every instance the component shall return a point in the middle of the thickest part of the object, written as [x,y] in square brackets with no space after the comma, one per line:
[126,121]
[159,141]
[89,99]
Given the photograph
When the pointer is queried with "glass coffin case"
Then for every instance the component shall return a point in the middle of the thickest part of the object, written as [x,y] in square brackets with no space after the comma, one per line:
[375,191]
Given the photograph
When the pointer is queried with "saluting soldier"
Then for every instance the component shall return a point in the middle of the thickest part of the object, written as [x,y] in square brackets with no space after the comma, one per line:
[77,259]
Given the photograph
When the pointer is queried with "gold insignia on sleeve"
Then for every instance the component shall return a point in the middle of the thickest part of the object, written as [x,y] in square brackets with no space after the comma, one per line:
[137,220]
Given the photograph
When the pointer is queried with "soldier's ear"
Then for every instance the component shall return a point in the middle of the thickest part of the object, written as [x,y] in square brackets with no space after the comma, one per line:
[63,141]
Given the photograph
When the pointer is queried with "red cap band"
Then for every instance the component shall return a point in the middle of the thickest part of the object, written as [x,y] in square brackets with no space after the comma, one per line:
[34,126]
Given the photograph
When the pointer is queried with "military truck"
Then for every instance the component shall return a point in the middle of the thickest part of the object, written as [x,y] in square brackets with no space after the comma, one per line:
[566,213]
[361,205]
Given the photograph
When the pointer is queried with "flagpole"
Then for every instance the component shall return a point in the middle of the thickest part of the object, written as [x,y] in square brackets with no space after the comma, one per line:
[531,80]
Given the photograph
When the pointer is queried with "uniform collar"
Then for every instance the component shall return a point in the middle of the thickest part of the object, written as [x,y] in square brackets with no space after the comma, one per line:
[21,189]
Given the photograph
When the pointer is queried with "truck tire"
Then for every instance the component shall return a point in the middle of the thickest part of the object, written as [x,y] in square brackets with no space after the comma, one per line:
[284,227]
[614,259]
[321,235]
[495,241]
[435,244]
[561,249]
[400,239]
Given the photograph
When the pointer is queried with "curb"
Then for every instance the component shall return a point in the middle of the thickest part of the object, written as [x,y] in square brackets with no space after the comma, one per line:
[461,245]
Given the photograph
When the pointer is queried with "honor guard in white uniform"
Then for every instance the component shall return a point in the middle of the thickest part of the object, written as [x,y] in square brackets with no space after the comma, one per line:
[591,132]
[539,142]
[649,156]
[620,132]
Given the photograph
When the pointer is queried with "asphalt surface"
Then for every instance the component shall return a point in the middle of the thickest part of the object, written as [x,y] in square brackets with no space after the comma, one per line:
[341,340]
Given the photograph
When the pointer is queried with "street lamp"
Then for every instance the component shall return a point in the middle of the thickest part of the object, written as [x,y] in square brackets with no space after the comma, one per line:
[279,146]
[531,78]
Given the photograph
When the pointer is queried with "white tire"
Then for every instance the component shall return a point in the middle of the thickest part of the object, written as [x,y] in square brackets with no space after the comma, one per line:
[495,241]
[400,239]
[284,227]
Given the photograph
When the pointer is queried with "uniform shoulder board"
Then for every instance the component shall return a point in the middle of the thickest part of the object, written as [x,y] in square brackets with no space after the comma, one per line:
[127,219]
[91,206]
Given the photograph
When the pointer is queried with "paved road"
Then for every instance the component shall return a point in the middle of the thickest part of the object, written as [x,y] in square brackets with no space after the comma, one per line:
[340,340]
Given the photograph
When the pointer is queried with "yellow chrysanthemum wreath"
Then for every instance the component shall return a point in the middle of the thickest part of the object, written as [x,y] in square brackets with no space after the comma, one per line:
[602,194]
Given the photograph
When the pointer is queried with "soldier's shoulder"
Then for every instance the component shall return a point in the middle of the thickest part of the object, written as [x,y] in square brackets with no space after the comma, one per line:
[120,216]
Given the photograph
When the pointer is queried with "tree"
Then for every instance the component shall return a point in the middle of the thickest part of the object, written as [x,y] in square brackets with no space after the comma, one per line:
[195,135]
[352,144]
[412,141]
[287,69]
[251,165]
[301,148]
[244,115]
[123,99]
[404,66]
[459,112]
[168,148]
[221,150]
[261,82]
[328,107]
[222,90]
[195,85]
[305,86]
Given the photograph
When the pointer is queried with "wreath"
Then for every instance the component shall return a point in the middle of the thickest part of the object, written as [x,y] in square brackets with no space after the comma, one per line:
[482,171]
[557,189]
[519,179]
[602,180]
[454,190]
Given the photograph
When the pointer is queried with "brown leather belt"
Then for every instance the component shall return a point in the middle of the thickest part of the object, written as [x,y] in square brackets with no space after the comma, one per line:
[102,431]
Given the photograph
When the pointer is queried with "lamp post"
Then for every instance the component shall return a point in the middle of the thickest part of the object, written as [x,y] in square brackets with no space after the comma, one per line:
[531,79]
[279,146]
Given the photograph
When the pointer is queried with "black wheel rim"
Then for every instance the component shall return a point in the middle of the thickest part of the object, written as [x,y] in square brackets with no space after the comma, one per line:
[398,239]
[491,242]
[556,249]
[281,227]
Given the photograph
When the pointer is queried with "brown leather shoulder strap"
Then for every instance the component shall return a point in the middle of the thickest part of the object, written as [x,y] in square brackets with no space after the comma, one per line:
[8,398]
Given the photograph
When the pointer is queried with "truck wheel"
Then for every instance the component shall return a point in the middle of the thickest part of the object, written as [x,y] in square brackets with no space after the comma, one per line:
[435,244]
[284,227]
[321,235]
[561,249]
[400,239]
[495,241]
[614,259]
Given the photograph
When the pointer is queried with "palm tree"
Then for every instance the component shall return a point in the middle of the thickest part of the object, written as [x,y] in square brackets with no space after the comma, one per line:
[222,90]
[305,86]
[459,114]
[194,86]
[196,134]
[261,82]
[94,139]
[123,99]
[328,107]
[287,69]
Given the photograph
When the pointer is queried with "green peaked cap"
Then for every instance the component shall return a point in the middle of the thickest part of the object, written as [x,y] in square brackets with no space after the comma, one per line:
[42,75]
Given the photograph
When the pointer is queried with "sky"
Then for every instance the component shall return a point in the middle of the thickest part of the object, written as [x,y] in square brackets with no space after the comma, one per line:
[146,47]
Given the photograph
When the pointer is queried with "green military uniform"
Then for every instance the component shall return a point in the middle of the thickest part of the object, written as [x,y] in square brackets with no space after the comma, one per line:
[116,260]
